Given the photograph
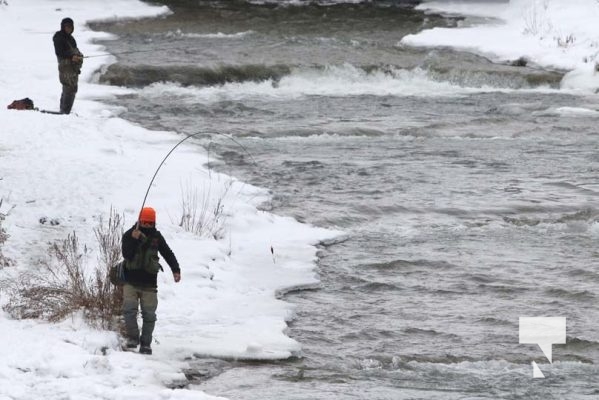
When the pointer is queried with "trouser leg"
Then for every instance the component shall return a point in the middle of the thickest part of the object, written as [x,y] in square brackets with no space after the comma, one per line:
[69,78]
[130,308]
[149,304]
[67,98]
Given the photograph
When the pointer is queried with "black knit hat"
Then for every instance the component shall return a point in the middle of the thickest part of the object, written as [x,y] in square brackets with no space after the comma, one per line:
[66,22]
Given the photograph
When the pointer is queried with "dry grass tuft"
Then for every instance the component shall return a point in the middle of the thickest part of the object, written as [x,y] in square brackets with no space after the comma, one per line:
[4,261]
[61,287]
[204,214]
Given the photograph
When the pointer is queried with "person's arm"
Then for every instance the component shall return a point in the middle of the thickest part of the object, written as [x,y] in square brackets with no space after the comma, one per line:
[66,50]
[129,244]
[169,257]
[61,47]
[76,55]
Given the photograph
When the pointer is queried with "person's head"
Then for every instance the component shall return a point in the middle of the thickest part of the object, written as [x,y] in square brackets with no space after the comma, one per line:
[67,25]
[147,217]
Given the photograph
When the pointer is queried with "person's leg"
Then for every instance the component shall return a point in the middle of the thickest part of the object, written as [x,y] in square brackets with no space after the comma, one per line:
[130,309]
[69,79]
[67,98]
[149,304]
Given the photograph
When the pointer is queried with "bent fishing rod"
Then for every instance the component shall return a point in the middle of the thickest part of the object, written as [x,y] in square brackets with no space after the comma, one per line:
[272,251]
[178,144]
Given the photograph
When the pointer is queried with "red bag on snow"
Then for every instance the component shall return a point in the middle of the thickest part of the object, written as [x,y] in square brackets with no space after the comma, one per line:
[23,104]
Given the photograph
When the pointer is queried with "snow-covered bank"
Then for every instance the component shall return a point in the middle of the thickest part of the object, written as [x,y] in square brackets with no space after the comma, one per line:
[73,169]
[550,33]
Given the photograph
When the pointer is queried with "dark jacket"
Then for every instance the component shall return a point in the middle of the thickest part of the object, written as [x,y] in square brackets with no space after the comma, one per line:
[153,241]
[65,45]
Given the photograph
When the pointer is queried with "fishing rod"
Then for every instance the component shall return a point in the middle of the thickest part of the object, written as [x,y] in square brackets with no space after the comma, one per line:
[139,51]
[272,250]
[178,144]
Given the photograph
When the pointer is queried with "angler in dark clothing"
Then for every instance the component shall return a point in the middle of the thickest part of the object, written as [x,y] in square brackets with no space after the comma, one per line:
[141,245]
[70,61]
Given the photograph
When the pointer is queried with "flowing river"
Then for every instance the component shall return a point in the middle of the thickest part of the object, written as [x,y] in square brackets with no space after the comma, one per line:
[467,190]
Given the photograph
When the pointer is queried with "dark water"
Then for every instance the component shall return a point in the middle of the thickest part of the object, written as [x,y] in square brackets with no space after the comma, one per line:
[468,191]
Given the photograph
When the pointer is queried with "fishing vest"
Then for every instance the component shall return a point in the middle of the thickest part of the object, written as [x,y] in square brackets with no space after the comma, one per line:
[146,257]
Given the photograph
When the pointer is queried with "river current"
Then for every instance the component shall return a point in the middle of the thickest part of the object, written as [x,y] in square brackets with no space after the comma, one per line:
[467,190]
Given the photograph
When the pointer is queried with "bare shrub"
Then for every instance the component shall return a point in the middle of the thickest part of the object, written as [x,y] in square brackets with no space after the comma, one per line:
[536,20]
[61,287]
[4,261]
[565,41]
[56,289]
[203,214]
[109,235]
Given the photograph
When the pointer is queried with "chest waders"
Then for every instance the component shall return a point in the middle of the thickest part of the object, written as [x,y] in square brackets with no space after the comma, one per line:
[146,257]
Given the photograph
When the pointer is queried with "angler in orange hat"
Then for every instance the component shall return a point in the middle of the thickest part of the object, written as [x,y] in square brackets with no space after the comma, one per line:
[141,245]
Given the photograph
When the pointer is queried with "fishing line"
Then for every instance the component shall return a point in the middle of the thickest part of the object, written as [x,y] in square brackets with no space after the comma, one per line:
[141,51]
[274,259]
[179,143]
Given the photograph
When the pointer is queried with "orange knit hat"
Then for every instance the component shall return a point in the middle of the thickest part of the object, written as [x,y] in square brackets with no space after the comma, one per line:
[147,214]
